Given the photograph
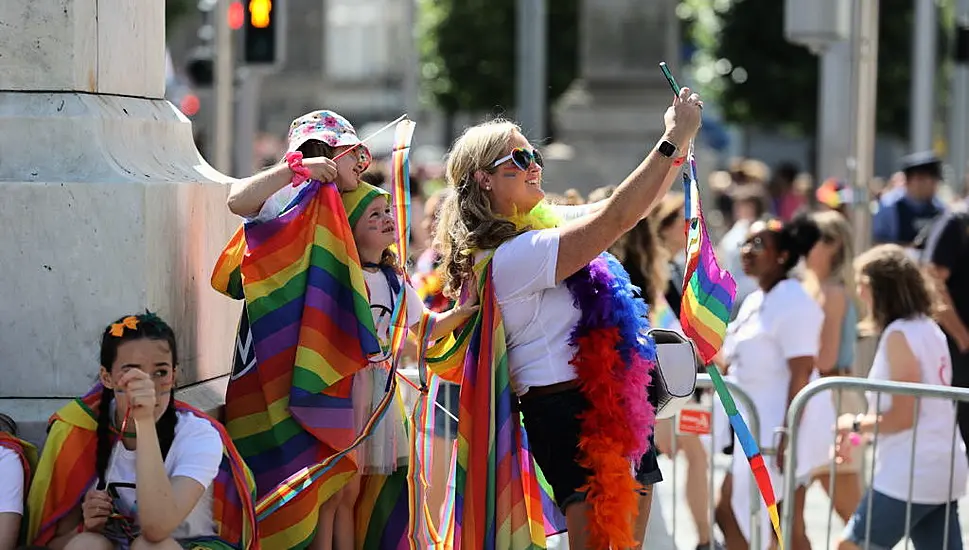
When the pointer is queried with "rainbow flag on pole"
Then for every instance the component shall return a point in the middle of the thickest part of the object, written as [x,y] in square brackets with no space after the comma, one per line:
[708,295]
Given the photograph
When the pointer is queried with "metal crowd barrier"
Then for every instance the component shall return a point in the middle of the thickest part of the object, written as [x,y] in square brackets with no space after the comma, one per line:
[838,385]
[703,382]
[753,422]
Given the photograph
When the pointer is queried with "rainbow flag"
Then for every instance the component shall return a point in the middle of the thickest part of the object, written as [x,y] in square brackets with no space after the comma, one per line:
[307,308]
[708,295]
[400,195]
[382,513]
[708,290]
[66,471]
[499,499]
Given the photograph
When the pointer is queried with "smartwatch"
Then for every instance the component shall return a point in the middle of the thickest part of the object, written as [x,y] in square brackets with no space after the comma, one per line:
[666,148]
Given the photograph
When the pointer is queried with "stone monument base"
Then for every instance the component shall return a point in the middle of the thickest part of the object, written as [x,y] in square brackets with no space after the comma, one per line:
[108,210]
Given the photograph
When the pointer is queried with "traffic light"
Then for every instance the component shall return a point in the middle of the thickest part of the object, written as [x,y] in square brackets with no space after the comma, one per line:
[262,32]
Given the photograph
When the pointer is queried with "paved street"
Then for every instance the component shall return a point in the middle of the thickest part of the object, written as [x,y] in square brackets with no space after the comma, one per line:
[685,535]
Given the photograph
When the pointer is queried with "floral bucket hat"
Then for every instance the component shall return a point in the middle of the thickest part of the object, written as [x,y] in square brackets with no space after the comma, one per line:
[329,128]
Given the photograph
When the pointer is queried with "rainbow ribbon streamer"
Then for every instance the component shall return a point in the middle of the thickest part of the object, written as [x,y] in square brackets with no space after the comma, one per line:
[708,295]
[400,196]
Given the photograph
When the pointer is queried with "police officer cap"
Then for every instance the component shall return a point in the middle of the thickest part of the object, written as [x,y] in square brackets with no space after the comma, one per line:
[925,161]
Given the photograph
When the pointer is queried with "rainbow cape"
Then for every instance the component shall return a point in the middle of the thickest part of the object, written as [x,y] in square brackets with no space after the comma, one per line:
[66,471]
[708,295]
[499,499]
[309,324]
[400,193]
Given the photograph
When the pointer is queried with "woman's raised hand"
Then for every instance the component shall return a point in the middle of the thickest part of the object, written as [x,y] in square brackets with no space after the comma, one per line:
[683,117]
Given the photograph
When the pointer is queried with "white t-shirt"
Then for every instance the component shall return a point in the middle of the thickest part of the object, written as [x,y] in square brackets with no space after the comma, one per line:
[770,329]
[12,481]
[936,418]
[382,305]
[539,315]
[196,453]
[277,202]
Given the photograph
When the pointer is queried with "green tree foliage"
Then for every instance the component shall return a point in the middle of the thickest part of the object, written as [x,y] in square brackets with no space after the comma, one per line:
[468,52]
[745,38]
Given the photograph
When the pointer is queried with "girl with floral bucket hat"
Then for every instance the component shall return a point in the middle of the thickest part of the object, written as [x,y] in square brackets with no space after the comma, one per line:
[314,140]
[305,331]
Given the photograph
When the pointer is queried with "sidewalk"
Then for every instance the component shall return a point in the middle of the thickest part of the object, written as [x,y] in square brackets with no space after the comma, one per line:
[675,511]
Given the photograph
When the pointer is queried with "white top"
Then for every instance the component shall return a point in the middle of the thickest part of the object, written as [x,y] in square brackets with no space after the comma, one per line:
[12,481]
[277,202]
[382,306]
[196,453]
[538,314]
[936,418]
[770,329]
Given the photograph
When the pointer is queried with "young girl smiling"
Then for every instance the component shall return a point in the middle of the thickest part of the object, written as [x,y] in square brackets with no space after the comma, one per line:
[370,216]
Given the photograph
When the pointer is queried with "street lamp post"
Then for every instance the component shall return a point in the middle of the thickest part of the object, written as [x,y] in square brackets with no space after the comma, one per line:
[532,41]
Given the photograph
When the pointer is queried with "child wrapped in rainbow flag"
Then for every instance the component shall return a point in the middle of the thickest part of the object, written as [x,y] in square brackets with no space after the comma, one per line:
[128,465]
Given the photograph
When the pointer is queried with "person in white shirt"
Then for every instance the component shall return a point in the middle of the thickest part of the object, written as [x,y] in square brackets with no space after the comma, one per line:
[13,480]
[912,348]
[496,175]
[770,351]
[154,460]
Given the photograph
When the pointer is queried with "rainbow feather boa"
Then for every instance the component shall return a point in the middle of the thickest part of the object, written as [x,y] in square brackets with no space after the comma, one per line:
[614,363]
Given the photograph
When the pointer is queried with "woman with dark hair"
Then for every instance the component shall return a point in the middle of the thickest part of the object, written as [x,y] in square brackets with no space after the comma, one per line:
[129,466]
[770,351]
[921,494]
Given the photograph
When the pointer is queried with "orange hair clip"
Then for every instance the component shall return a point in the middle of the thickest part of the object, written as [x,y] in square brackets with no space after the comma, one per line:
[117,329]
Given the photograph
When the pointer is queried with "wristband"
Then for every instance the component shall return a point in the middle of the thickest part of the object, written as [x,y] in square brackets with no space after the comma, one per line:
[679,161]
[300,173]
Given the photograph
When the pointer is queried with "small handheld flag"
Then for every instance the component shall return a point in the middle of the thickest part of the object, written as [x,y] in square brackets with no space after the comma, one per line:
[708,296]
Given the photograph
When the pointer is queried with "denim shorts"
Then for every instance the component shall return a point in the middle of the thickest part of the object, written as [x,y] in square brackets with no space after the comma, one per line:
[928,524]
[552,425]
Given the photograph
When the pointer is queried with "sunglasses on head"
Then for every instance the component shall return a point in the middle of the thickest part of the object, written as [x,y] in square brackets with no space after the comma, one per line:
[522,158]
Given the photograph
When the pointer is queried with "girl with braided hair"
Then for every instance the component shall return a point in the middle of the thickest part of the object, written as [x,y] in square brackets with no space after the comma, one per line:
[128,466]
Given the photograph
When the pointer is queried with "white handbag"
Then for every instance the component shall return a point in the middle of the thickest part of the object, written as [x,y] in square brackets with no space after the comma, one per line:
[674,378]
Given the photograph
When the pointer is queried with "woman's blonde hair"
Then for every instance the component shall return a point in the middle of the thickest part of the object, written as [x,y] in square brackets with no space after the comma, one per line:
[899,290]
[836,229]
[467,221]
